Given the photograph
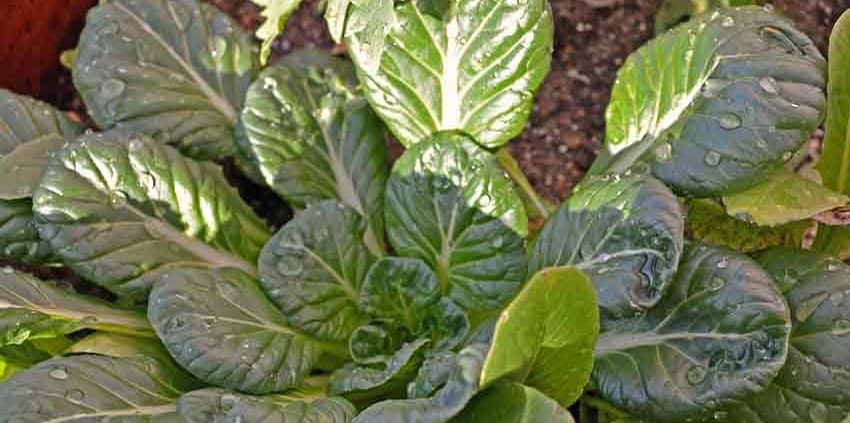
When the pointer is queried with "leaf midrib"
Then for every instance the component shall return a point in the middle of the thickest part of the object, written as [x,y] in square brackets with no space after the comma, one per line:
[133,411]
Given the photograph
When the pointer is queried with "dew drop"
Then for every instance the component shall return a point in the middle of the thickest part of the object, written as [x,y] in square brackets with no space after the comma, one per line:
[730,121]
[723,263]
[290,266]
[112,88]
[498,242]
[58,373]
[728,22]
[841,327]
[75,395]
[768,84]
[712,158]
[696,374]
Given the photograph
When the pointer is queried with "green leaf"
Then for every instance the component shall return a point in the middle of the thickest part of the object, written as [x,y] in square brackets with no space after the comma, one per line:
[709,223]
[449,204]
[313,140]
[19,238]
[513,403]
[215,405]
[401,290]
[17,358]
[336,14]
[314,267]
[458,383]
[715,104]
[783,198]
[121,210]
[31,309]
[625,232]
[544,339]
[473,67]
[388,379]
[814,385]
[276,12]
[675,12]
[220,327]
[718,335]
[93,388]
[176,70]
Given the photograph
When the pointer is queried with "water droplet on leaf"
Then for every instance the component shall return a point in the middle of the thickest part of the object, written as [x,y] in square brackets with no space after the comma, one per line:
[730,121]
[112,88]
[696,374]
[712,158]
[768,84]
[58,373]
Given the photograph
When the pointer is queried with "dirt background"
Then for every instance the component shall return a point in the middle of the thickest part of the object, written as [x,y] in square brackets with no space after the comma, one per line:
[568,123]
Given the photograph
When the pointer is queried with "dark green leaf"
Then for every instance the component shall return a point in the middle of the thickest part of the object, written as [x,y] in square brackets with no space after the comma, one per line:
[474,68]
[220,326]
[716,103]
[173,69]
[121,210]
[218,406]
[544,339]
[449,204]
[388,379]
[625,232]
[513,403]
[708,222]
[313,140]
[276,12]
[814,385]
[314,267]
[19,238]
[675,12]
[446,325]
[719,334]
[401,290]
[93,388]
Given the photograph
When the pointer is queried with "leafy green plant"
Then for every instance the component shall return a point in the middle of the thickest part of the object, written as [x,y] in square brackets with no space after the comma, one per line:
[418,291]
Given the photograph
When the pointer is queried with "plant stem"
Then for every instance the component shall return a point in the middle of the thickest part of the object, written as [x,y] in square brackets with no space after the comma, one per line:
[534,204]
[604,406]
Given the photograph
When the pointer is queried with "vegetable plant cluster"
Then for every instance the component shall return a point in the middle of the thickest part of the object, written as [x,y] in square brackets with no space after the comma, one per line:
[671,287]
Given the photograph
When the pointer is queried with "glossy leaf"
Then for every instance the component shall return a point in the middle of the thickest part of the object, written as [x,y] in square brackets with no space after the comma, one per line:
[93,388]
[814,385]
[220,326]
[625,232]
[386,380]
[544,339]
[513,403]
[121,210]
[449,204]
[276,12]
[17,358]
[473,66]
[783,198]
[313,268]
[675,12]
[719,334]
[313,140]
[401,290]
[336,14]
[715,104]
[708,222]
[19,238]
[215,405]
[176,70]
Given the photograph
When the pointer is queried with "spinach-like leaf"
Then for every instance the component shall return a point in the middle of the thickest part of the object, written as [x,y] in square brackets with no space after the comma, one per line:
[449,204]
[814,385]
[708,222]
[401,290]
[215,405]
[472,65]
[19,238]
[313,268]
[313,140]
[719,334]
[121,209]
[514,403]
[389,380]
[625,232]
[544,339]
[454,382]
[220,326]
[675,12]
[276,12]
[176,70]
[717,102]
[96,389]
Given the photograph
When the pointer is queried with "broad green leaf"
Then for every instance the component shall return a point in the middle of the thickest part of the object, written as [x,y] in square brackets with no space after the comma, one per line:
[19,238]
[121,209]
[401,290]
[336,14]
[220,327]
[708,222]
[17,358]
[449,204]
[313,268]
[471,66]
[784,197]
[96,389]
[544,339]
[313,140]
[675,12]
[715,104]
[31,309]
[218,406]
[388,379]
[718,335]
[458,383]
[814,385]
[513,403]
[123,346]
[276,12]
[625,232]
[176,70]
[29,131]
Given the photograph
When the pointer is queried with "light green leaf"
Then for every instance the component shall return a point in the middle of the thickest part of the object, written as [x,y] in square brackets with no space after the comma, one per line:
[220,326]
[336,14]
[313,268]
[814,385]
[719,334]
[276,12]
[544,339]
[473,67]
[708,222]
[176,70]
[675,12]
[19,238]
[219,406]
[715,104]
[121,210]
[17,358]
[783,198]
[96,389]
[513,403]
[625,232]
[449,204]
